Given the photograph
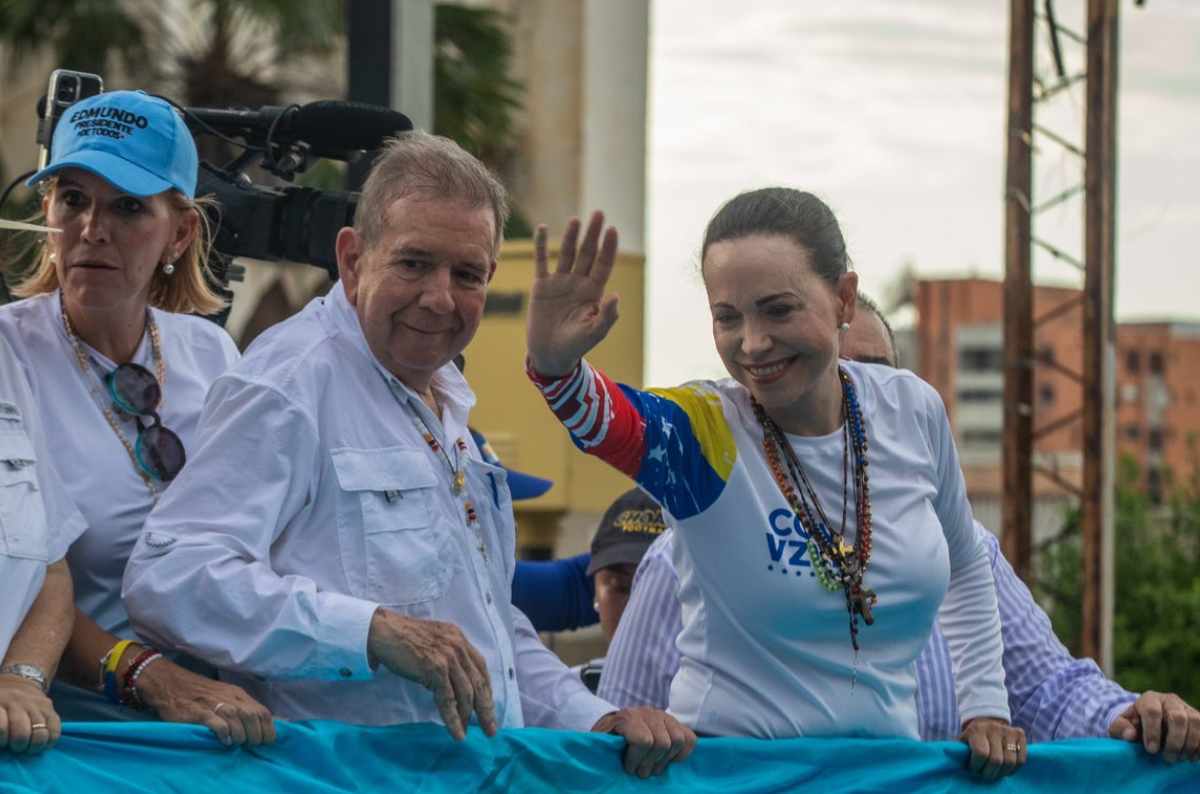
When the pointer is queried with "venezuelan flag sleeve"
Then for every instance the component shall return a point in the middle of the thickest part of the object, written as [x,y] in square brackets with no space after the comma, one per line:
[675,443]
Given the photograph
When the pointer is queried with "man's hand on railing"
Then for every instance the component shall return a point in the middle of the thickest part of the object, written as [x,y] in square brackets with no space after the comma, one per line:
[1161,722]
[653,738]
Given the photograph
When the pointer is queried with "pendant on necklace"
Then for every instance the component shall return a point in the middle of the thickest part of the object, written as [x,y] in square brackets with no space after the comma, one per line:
[861,601]
[460,481]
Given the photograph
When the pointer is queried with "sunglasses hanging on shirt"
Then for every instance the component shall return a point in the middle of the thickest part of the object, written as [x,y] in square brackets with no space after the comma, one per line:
[158,451]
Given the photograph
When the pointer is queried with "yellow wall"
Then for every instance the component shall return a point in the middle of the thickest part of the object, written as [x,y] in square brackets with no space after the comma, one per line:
[511,413]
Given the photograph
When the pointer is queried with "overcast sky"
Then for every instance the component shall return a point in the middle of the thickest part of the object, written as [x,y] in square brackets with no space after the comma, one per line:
[893,111]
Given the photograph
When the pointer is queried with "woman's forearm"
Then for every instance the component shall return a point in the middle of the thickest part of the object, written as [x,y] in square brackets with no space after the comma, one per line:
[44,633]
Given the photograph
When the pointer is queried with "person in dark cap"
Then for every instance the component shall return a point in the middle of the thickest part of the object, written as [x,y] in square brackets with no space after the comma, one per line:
[629,526]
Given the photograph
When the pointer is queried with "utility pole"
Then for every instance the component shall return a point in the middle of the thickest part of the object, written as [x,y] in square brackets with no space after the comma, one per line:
[389,62]
[1018,293]
[1096,377]
[1100,177]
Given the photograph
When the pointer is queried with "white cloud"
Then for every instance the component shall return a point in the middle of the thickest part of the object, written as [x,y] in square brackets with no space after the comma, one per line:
[894,113]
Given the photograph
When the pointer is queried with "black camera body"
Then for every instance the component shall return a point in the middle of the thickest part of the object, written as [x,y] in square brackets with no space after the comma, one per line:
[289,223]
[294,224]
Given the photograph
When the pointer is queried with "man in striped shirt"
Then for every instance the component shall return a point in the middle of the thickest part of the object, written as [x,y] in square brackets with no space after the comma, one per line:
[1052,695]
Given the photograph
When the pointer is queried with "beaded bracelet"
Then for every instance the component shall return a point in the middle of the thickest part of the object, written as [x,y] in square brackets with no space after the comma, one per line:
[137,660]
[134,673]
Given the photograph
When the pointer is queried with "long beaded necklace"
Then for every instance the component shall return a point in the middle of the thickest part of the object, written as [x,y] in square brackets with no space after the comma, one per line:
[837,564]
[458,472]
[97,387]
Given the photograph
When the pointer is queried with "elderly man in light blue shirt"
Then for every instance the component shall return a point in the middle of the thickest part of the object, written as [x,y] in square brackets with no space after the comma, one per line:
[336,544]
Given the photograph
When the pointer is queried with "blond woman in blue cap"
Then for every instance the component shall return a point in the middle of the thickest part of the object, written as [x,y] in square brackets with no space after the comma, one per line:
[119,367]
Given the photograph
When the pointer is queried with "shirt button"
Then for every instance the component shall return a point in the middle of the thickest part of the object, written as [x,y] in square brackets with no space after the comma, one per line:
[489,598]
[510,674]
[345,672]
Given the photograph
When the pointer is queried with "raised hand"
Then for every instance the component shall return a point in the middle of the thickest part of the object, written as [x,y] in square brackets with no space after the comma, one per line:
[569,313]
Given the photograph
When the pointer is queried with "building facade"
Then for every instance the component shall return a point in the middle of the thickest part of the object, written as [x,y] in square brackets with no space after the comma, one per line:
[960,350]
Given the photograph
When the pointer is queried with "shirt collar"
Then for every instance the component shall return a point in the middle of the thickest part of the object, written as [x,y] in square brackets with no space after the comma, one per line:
[453,392]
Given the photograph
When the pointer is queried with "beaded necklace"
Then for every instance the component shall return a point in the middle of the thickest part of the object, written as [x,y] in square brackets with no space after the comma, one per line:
[97,387]
[458,472]
[837,564]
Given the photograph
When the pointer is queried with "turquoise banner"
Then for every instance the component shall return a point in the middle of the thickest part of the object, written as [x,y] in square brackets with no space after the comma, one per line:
[332,757]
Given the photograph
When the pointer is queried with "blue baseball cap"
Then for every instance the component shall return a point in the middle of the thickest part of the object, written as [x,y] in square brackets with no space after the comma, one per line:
[136,142]
[523,486]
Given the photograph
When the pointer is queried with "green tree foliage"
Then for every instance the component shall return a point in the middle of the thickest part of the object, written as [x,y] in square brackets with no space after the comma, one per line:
[208,52]
[475,101]
[1156,631]
[221,52]
[83,34]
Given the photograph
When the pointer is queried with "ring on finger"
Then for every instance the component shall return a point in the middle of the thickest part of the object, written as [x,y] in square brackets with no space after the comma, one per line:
[217,708]
[1013,747]
[39,726]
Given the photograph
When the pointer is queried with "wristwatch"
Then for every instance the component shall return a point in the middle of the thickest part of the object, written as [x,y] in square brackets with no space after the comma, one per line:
[29,672]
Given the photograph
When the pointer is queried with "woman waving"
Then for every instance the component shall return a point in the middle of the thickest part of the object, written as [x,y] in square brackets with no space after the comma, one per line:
[819,505]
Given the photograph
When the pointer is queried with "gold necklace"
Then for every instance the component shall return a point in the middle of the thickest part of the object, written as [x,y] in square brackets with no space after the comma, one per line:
[160,372]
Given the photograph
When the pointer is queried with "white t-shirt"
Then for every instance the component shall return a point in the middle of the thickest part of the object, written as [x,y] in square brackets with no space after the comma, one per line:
[765,649]
[37,519]
[92,461]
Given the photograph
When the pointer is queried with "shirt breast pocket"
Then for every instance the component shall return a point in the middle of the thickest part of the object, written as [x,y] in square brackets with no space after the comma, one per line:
[22,515]
[388,510]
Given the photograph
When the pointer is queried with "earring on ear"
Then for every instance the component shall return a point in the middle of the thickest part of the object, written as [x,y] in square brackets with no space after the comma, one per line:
[168,268]
[596,606]
[52,256]
[844,327]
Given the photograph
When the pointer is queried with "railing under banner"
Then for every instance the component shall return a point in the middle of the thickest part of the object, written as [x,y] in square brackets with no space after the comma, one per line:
[332,757]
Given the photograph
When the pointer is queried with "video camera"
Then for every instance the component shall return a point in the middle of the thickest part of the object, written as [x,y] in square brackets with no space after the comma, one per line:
[296,224]
[289,223]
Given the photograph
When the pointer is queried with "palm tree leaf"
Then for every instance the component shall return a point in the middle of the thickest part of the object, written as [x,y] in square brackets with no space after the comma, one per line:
[83,34]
